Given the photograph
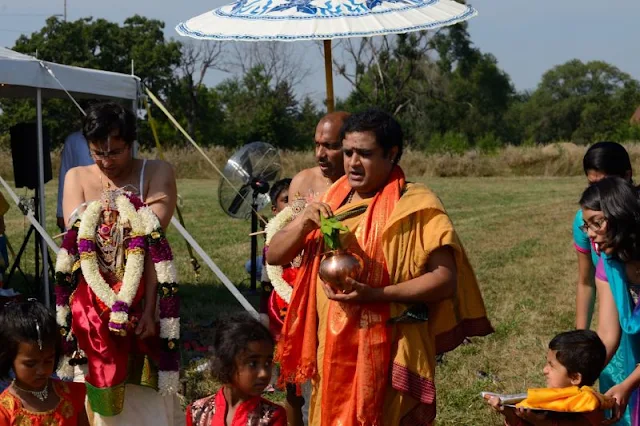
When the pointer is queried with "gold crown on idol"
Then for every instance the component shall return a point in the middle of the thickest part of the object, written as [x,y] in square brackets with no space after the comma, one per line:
[109,197]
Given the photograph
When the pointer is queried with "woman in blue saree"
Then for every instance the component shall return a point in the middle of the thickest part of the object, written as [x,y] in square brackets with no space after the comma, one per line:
[602,159]
[611,218]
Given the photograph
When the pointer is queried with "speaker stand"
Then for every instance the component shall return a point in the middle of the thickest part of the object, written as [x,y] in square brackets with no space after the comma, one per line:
[38,250]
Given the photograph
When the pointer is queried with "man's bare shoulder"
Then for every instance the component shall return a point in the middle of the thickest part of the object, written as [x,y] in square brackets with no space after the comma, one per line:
[81,172]
[306,175]
[302,181]
[160,167]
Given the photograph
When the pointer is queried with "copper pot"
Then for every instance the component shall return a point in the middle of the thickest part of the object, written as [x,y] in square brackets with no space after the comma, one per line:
[337,265]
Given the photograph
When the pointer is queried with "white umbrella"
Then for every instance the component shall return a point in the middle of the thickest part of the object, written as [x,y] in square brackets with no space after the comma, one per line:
[295,20]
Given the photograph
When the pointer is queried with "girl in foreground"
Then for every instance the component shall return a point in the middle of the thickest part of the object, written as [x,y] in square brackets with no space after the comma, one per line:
[30,348]
[243,357]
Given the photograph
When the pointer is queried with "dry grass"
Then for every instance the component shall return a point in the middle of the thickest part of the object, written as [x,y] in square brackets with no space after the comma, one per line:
[559,159]
[516,231]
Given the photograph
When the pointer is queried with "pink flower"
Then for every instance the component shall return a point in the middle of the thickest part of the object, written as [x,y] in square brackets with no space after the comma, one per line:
[86,246]
[69,242]
[120,306]
[137,242]
[169,307]
[135,200]
[62,295]
[169,360]
[160,251]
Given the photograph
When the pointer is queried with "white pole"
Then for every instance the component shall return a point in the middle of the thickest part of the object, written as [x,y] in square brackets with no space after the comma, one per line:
[42,210]
[232,288]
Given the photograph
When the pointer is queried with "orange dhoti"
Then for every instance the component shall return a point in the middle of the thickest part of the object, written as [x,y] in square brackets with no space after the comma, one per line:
[365,371]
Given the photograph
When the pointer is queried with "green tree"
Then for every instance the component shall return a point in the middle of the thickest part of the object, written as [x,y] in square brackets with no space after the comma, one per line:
[255,110]
[98,44]
[433,83]
[580,102]
[101,44]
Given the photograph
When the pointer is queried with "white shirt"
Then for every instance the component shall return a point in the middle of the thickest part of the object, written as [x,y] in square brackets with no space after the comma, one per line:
[74,153]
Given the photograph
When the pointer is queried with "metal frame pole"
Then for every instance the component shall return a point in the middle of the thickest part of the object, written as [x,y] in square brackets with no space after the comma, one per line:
[42,212]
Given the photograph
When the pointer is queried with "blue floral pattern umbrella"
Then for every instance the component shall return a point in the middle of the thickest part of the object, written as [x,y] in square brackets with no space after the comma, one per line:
[295,20]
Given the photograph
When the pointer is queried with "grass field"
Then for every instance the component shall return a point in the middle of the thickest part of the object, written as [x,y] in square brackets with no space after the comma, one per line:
[517,232]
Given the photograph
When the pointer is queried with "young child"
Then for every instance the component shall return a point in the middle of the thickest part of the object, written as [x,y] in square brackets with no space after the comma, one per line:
[276,309]
[575,359]
[243,357]
[270,303]
[30,348]
[279,197]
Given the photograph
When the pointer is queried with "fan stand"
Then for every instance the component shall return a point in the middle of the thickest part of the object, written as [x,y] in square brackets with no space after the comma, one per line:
[259,187]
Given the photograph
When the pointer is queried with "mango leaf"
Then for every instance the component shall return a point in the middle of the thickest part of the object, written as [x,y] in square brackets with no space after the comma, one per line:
[330,228]
[338,225]
[329,242]
[326,228]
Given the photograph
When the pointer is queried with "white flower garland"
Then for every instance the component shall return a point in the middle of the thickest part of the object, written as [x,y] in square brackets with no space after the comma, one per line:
[144,223]
[168,381]
[278,222]
[64,264]
[132,271]
[64,261]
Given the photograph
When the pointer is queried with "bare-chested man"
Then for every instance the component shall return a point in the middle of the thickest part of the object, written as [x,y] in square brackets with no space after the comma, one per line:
[110,132]
[312,183]
[309,185]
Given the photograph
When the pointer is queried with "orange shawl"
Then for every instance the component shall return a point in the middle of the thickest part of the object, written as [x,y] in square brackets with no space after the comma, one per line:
[366,342]
[570,400]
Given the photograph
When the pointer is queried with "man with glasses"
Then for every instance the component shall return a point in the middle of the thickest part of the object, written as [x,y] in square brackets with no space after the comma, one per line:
[110,131]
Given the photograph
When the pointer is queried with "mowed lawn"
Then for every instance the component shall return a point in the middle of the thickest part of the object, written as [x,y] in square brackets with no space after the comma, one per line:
[517,232]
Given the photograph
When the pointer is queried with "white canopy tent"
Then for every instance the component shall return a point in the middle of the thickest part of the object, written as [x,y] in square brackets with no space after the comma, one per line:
[23,76]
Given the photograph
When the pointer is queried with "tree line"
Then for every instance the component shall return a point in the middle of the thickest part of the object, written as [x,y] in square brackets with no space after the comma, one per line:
[448,94]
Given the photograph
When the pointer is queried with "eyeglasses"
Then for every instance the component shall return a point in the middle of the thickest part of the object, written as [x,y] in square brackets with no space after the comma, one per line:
[104,155]
[595,226]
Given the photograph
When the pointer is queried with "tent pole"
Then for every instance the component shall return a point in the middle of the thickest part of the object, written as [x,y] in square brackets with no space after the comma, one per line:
[42,213]
[328,72]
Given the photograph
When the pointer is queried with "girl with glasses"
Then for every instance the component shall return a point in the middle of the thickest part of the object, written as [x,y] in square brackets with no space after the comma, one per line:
[601,159]
[611,218]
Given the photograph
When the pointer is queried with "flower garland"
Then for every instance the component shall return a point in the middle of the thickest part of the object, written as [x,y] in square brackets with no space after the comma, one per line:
[275,272]
[67,264]
[169,302]
[78,253]
[120,302]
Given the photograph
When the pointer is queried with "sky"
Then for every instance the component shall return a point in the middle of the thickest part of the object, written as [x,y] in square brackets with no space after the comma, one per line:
[526,37]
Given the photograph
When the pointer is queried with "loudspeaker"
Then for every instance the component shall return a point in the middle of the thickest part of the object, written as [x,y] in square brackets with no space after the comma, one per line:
[24,152]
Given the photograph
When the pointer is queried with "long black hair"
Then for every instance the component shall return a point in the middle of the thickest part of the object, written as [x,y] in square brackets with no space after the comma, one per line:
[231,338]
[18,324]
[618,200]
[609,158]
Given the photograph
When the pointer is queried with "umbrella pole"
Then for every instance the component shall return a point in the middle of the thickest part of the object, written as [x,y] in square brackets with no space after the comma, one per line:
[328,72]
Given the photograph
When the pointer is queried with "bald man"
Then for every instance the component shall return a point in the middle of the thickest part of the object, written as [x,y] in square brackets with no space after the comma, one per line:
[312,183]
[309,185]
